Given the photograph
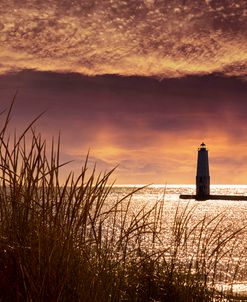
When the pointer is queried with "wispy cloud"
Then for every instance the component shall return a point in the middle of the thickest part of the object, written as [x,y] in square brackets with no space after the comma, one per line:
[136,37]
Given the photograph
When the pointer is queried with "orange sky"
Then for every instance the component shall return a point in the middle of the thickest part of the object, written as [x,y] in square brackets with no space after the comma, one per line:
[150,128]
[171,38]
[140,82]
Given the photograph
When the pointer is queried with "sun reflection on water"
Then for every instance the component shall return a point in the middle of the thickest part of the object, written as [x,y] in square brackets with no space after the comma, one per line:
[234,212]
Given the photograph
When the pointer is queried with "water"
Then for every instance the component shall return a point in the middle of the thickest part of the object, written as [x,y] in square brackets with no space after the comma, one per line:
[233,213]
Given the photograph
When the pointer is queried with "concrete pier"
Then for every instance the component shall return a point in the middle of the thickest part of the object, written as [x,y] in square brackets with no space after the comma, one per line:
[214,197]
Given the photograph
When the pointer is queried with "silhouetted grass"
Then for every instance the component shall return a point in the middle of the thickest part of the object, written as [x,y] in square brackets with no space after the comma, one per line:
[70,242]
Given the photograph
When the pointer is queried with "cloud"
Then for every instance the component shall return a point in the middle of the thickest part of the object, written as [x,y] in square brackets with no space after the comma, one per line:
[150,128]
[156,38]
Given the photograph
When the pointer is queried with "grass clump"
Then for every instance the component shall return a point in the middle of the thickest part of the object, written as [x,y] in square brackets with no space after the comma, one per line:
[70,242]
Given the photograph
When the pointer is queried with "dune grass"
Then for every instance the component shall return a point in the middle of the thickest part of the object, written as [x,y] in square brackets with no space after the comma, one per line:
[70,242]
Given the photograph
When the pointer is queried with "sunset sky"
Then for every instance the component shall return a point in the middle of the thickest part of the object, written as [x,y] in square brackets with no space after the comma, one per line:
[141,83]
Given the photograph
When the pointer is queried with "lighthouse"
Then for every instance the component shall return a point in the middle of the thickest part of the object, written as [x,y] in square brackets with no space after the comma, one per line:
[202,175]
[203,180]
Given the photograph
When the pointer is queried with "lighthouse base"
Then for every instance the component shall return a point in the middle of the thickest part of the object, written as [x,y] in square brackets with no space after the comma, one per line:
[213,197]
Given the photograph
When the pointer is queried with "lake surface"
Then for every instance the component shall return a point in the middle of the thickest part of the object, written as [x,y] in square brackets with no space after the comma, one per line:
[233,213]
